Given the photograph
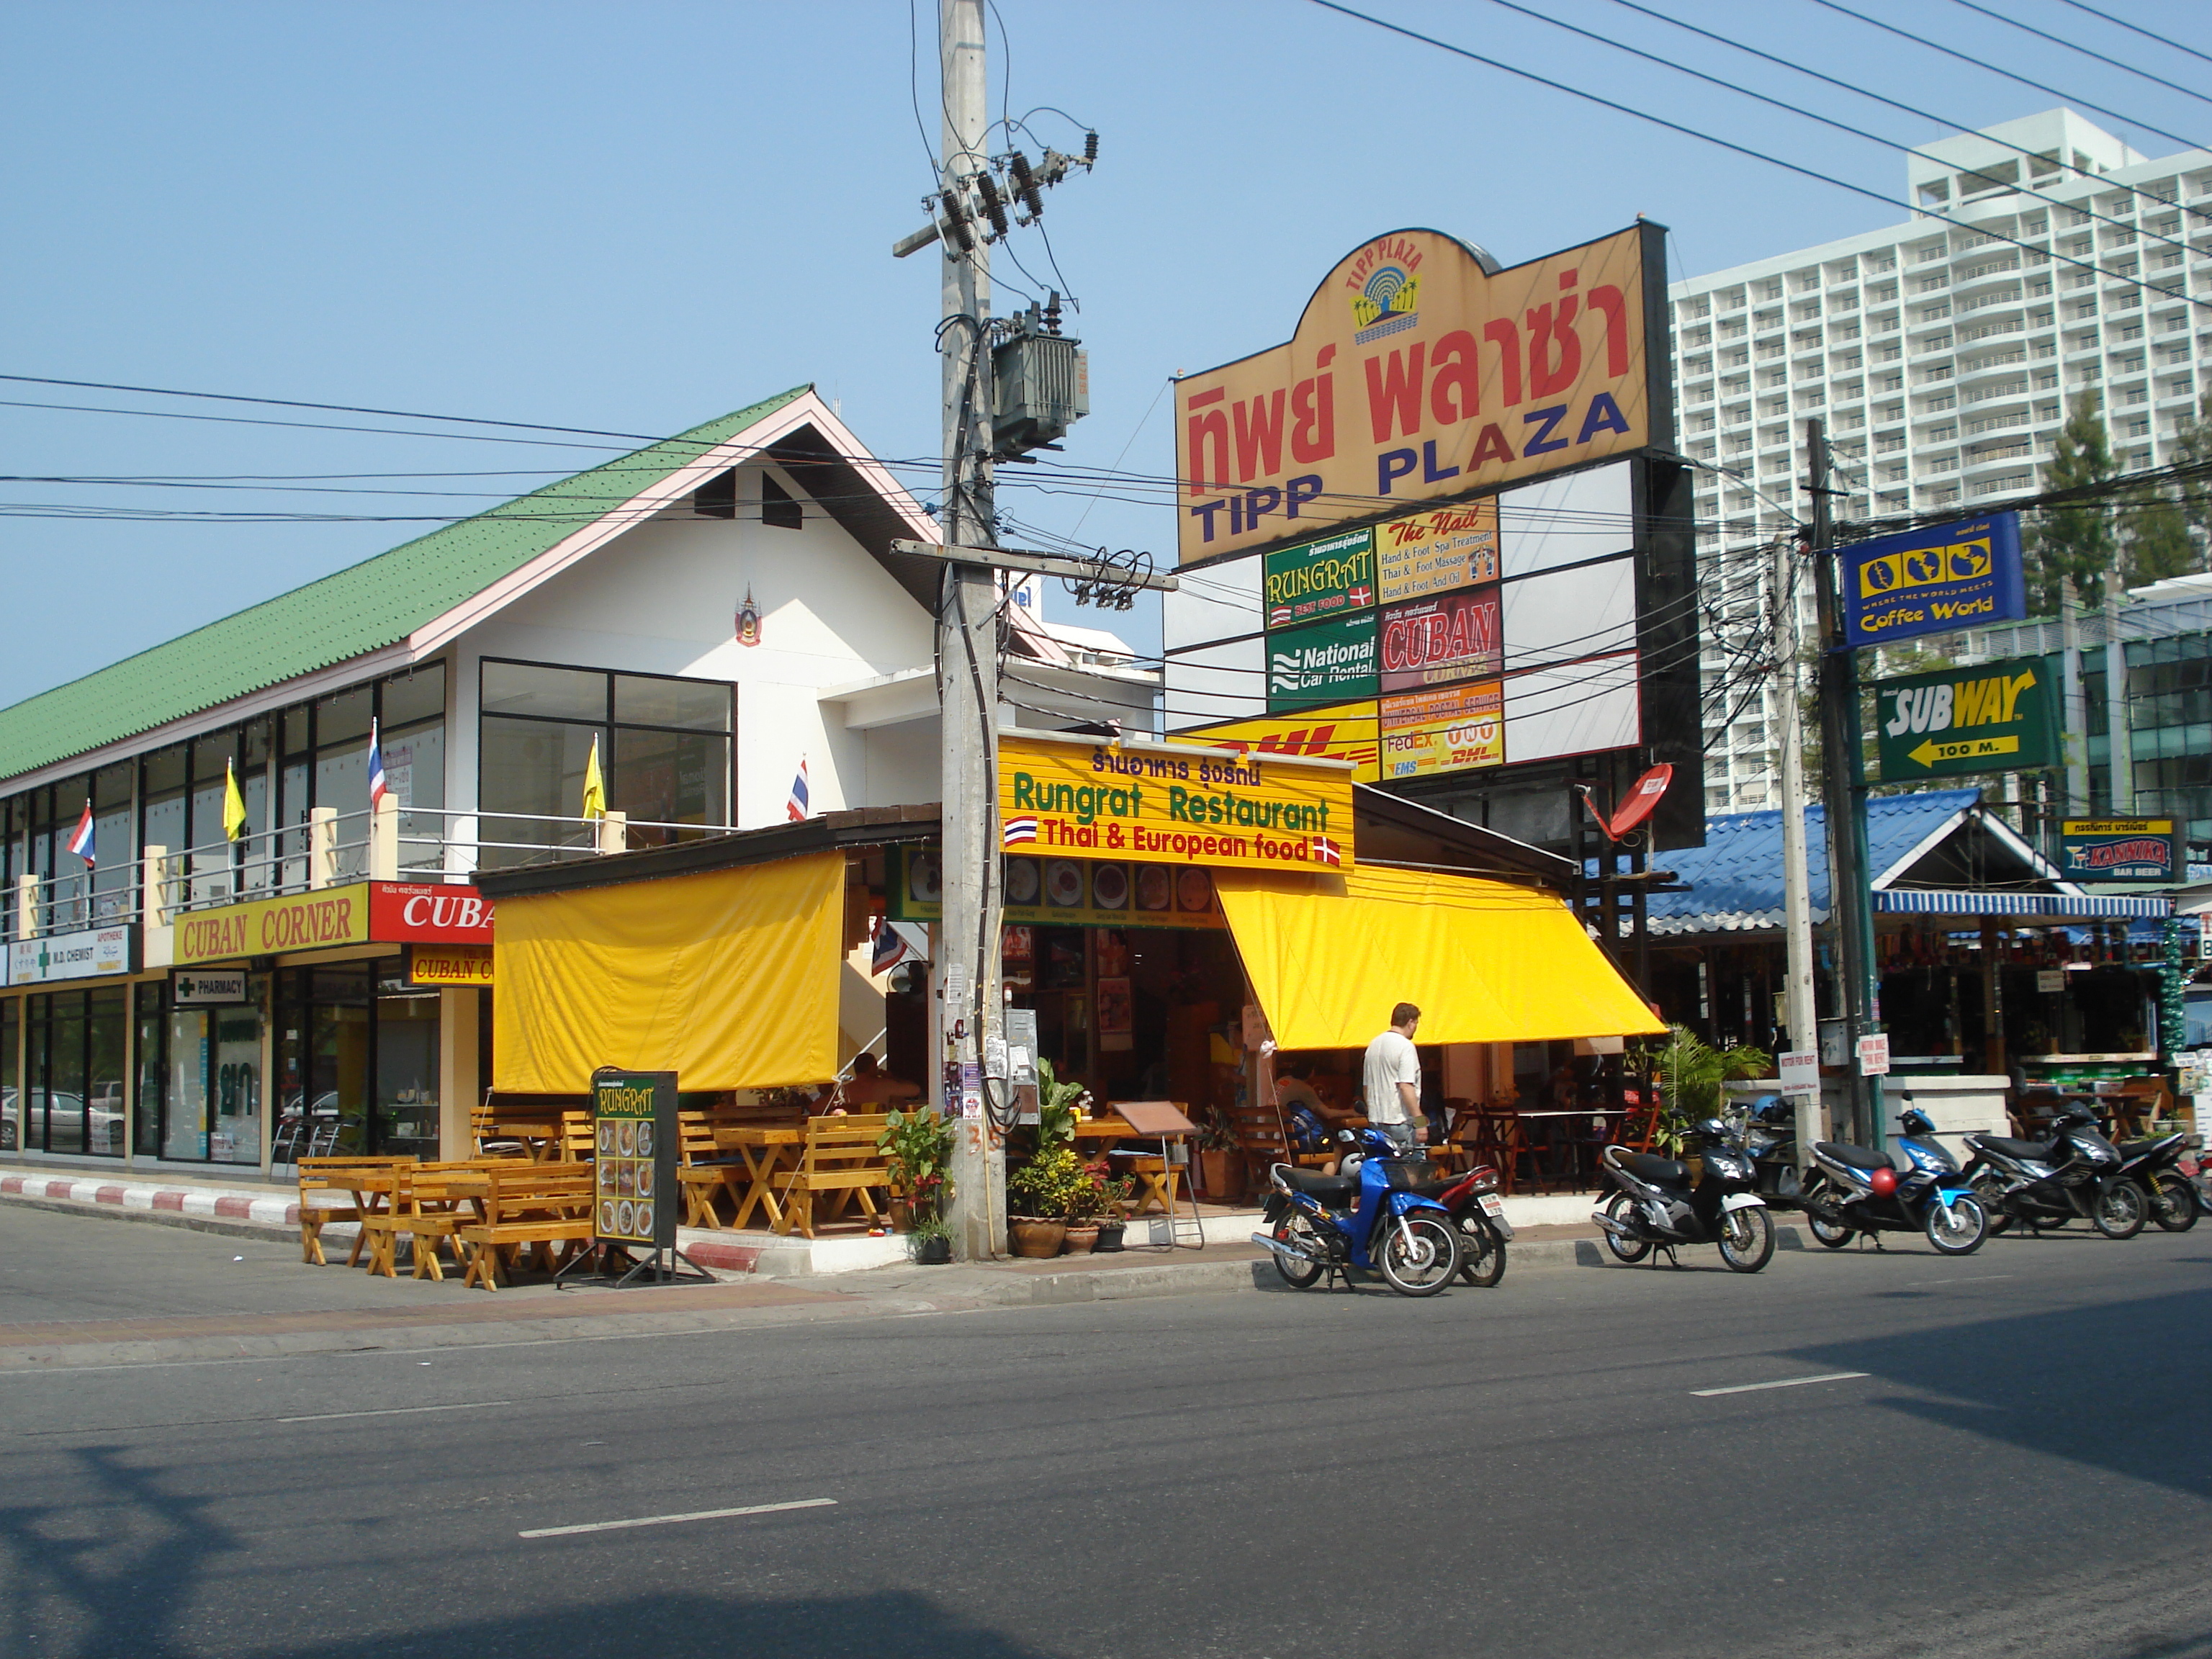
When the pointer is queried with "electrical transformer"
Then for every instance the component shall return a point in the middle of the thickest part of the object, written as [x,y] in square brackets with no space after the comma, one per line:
[1043,382]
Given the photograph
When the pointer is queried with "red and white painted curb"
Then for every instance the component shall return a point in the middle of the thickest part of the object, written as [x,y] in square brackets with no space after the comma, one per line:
[276,1211]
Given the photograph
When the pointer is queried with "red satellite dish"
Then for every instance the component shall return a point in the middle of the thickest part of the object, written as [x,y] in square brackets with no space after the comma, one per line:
[1643,801]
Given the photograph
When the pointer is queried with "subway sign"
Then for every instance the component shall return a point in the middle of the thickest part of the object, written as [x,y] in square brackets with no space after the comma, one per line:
[1998,717]
[1936,581]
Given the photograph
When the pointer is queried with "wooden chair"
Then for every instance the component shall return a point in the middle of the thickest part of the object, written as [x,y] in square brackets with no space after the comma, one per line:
[1260,1138]
[575,1142]
[328,1174]
[483,1134]
[424,1227]
[840,1160]
[703,1171]
[528,1205]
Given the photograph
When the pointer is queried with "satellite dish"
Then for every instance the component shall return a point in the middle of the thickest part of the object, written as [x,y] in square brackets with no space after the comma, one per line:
[1642,801]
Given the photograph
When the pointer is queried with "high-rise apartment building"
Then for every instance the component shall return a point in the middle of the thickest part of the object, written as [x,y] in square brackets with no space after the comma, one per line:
[1943,356]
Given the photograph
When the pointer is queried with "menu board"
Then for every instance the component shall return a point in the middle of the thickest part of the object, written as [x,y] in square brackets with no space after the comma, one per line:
[633,1150]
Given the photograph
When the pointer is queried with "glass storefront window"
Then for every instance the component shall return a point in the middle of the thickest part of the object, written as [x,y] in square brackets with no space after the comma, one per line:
[668,778]
[407,1074]
[184,1126]
[107,1013]
[693,705]
[543,693]
[65,1075]
[11,1094]
[117,874]
[534,768]
[36,1047]
[420,695]
[234,1136]
[153,1071]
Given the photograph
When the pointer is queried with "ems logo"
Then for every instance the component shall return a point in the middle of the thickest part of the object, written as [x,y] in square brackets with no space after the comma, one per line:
[1017,831]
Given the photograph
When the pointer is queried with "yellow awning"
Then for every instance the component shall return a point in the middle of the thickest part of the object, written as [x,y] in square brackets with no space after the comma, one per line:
[728,979]
[1485,961]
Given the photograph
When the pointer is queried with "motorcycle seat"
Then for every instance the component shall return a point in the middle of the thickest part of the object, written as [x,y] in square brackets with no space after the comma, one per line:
[1853,1157]
[1649,1166]
[2132,1149]
[1328,1189]
[2038,1149]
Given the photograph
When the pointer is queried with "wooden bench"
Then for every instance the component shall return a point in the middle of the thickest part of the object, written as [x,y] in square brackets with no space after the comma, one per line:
[839,1158]
[411,1187]
[533,1204]
[703,1170]
[330,1174]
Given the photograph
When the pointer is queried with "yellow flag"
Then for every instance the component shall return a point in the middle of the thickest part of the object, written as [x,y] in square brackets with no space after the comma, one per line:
[595,787]
[234,803]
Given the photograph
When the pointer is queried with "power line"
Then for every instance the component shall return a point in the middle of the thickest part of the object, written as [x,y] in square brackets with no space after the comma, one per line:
[2064,97]
[2076,45]
[1908,109]
[1726,144]
[2080,5]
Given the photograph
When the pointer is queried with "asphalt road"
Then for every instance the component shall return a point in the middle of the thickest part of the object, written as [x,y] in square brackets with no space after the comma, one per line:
[1527,1471]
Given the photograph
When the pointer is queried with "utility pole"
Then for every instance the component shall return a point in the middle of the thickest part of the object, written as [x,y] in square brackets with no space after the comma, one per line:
[1796,878]
[1851,903]
[970,1002]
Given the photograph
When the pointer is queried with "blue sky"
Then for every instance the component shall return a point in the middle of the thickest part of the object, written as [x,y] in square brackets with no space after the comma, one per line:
[633,216]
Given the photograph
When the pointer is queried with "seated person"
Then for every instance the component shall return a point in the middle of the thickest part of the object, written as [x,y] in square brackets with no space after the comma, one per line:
[1295,1087]
[870,1089]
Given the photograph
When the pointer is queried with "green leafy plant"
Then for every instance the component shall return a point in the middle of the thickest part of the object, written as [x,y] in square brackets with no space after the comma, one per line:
[1057,1100]
[1056,1187]
[926,1227]
[1691,1073]
[919,1147]
[1214,1132]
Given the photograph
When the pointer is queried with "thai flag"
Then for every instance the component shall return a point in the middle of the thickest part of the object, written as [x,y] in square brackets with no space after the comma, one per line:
[377,789]
[1326,851]
[80,842]
[795,808]
[895,943]
[1016,831]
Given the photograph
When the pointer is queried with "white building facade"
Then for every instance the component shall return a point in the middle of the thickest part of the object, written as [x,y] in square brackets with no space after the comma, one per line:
[1942,356]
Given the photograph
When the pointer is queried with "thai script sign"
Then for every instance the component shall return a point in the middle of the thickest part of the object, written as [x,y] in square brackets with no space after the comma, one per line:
[1935,580]
[431,912]
[1996,717]
[1320,578]
[2118,849]
[1061,798]
[1416,375]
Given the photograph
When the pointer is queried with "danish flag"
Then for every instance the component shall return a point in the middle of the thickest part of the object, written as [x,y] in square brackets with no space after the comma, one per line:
[1326,851]
[1360,595]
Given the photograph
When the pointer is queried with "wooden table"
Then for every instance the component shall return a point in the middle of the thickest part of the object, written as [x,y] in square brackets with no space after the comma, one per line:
[768,1150]
[1103,1128]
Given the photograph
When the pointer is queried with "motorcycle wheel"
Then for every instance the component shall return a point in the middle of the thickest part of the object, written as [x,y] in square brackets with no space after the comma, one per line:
[1990,1190]
[1425,1267]
[1964,1234]
[1481,1254]
[1296,1229]
[2173,1202]
[1827,1234]
[2119,1212]
[1624,1250]
[1747,1239]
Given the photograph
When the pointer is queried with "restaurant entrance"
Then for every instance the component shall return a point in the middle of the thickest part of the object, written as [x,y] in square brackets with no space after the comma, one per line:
[357,1061]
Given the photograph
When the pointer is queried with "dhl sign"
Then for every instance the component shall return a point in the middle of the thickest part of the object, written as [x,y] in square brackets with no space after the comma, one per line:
[1347,732]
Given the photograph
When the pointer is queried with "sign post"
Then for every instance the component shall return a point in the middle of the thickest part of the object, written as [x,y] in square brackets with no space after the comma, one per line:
[635,1204]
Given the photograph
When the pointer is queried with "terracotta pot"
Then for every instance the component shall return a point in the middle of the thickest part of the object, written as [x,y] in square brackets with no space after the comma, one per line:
[1082,1238]
[1028,1237]
[1214,1174]
[901,1216]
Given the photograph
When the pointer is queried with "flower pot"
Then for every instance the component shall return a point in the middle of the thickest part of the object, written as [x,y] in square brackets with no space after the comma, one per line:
[1110,1236]
[934,1251]
[901,1216]
[1030,1237]
[1214,1174]
[1082,1237]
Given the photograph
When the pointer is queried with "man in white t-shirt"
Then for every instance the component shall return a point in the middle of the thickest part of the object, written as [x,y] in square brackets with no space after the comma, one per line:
[1393,1079]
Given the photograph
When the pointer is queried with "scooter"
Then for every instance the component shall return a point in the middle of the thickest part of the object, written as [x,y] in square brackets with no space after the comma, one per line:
[2047,1184]
[1368,1215]
[2155,1166]
[1472,1201]
[1770,1136]
[1857,1190]
[1655,1205]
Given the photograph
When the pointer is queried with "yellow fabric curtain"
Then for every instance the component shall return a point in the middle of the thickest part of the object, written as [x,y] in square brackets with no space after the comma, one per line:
[1483,961]
[728,979]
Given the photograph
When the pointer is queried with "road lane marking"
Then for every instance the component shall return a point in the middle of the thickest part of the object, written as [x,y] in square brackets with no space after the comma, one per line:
[1785,1382]
[397,1411]
[673,1520]
[1975,1278]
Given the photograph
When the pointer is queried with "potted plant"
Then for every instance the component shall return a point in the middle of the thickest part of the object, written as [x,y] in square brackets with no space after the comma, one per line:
[1058,1101]
[1216,1141]
[919,1145]
[1691,1074]
[1048,1187]
[932,1240]
[1119,1189]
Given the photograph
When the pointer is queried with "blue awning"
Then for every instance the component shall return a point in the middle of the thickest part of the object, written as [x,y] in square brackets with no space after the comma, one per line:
[2041,908]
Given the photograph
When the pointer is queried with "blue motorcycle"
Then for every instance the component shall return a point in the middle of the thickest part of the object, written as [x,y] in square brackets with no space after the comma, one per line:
[1368,1215]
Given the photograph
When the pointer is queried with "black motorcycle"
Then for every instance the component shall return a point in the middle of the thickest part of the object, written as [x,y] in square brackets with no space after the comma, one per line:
[2155,1166]
[1654,1204]
[1858,1189]
[2073,1175]
[1770,1137]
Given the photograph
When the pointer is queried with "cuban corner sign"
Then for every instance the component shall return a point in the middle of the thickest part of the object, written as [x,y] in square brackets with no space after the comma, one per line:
[1454,636]
[1998,717]
[1415,375]
[1935,580]
[356,914]
[1320,580]
[2118,849]
[1172,804]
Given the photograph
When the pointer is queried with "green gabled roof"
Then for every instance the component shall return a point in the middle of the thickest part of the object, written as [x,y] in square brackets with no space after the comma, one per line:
[365,607]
